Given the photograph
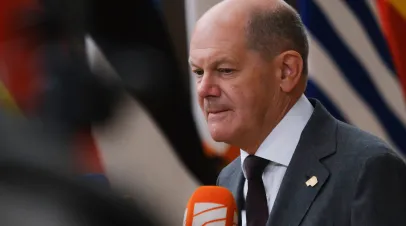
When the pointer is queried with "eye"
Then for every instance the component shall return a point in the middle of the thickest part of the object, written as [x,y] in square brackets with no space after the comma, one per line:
[225,70]
[198,72]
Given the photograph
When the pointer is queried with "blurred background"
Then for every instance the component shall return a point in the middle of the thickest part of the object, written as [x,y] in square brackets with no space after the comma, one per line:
[101,90]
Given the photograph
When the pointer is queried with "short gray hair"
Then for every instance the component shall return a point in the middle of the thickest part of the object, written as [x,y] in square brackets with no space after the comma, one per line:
[272,31]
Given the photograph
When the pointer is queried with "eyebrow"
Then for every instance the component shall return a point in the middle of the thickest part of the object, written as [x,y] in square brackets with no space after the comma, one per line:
[217,61]
[191,63]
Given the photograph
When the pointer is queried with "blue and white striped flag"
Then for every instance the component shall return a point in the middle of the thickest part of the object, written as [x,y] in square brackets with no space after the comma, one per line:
[351,69]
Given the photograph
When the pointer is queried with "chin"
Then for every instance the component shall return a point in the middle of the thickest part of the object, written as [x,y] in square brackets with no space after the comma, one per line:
[221,136]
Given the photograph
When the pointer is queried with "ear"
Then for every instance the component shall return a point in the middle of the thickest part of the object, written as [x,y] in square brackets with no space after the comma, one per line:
[291,67]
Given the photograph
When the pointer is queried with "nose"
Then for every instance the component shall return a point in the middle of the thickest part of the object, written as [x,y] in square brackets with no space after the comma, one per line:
[208,87]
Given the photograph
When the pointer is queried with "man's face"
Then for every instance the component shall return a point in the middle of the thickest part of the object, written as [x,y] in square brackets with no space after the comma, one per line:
[236,87]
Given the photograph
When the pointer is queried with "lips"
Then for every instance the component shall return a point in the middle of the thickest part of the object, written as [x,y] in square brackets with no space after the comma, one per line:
[216,112]
[217,115]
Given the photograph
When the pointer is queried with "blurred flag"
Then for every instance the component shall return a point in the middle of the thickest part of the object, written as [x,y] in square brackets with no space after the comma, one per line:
[19,87]
[24,32]
[350,65]
[393,19]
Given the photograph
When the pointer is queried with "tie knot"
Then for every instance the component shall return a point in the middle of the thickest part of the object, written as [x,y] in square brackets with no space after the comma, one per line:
[254,166]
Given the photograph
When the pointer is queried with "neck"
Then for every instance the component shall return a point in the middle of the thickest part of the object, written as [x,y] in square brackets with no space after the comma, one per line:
[257,138]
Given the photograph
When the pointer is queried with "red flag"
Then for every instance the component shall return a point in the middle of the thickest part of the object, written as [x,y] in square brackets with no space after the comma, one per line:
[21,75]
[393,18]
[19,67]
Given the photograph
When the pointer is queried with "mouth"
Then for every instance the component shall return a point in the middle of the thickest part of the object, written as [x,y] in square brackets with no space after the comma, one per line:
[216,114]
[217,111]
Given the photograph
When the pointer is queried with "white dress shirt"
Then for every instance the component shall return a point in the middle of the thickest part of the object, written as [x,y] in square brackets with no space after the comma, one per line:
[278,148]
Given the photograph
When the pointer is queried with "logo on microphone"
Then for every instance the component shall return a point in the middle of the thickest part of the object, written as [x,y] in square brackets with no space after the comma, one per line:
[211,214]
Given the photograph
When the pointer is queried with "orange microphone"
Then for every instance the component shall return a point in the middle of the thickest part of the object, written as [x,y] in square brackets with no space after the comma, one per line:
[211,206]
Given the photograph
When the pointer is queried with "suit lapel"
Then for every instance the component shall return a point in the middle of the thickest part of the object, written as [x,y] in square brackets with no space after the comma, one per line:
[234,181]
[317,142]
[237,190]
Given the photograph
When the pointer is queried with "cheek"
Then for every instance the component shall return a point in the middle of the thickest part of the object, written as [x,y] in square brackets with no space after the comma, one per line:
[236,95]
[251,102]
[243,100]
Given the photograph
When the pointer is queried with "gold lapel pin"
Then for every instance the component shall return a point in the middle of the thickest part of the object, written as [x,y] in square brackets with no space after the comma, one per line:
[312,181]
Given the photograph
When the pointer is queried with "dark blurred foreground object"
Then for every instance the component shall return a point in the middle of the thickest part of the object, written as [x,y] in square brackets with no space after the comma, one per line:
[23,141]
[134,39]
[36,197]
[38,186]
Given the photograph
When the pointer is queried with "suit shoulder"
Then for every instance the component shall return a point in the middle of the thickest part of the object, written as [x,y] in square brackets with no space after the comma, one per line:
[229,169]
[353,142]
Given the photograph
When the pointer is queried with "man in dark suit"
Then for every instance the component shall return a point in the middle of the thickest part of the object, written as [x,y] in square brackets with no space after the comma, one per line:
[298,164]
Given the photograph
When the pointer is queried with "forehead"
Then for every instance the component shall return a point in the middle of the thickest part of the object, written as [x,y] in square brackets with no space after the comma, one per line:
[216,41]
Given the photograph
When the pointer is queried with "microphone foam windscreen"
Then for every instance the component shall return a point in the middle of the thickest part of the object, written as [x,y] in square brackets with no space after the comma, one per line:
[211,206]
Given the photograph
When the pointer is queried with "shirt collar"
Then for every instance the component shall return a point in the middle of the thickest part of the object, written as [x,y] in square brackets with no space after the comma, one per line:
[281,143]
